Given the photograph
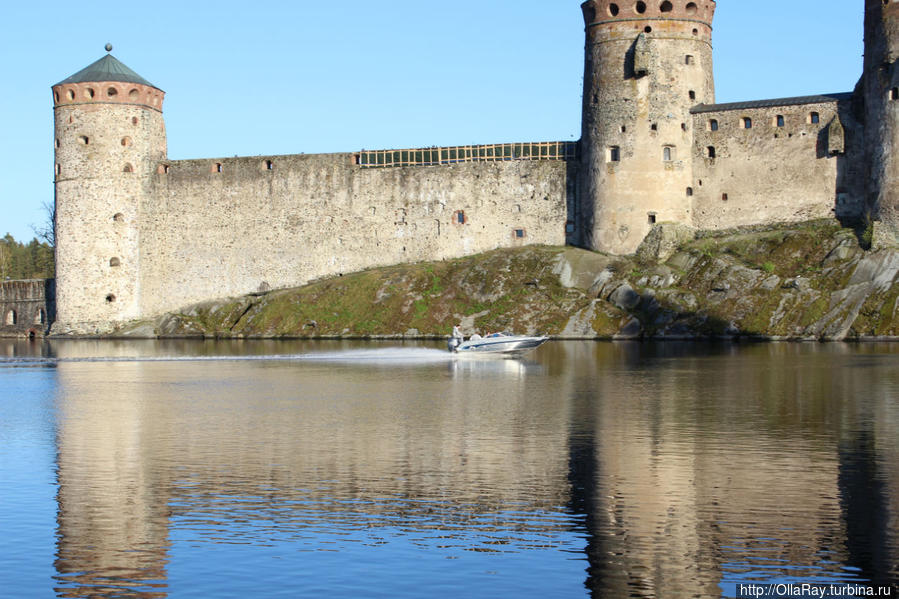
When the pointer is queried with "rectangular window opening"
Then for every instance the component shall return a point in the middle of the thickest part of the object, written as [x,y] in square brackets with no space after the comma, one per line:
[613,154]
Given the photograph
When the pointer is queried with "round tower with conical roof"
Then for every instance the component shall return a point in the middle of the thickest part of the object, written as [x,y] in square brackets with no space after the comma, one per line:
[110,138]
[880,86]
[647,64]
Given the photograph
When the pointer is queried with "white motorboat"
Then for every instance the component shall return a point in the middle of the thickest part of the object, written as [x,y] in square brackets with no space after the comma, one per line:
[497,343]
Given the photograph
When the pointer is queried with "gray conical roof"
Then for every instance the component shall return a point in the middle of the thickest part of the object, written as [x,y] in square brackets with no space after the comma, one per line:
[107,68]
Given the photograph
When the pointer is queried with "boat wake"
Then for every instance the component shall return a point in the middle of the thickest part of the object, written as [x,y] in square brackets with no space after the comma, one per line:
[390,355]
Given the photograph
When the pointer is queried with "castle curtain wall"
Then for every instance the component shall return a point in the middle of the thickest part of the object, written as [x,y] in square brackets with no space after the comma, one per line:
[764,165]
[224,227]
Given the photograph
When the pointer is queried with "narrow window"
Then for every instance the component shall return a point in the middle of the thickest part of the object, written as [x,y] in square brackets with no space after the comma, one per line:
[723,197]
[814,118]
[518,233]
[11,317]
[613,154]
[747,122]
[652,218]
[613,9]
[113,262]
[683,126]
[40,317]
[689,192]
[110,298]
[688,59]
[641,7]
[84,139]
[779,120]
[58,170]
[218,167]
[162,169]
[711,151]
[653,127]
[126,141]
[623,129]
[894,93]
[692,95]
[667,154]
[713,125]
[128,169]
[459,217]
[269,165]
[118,217]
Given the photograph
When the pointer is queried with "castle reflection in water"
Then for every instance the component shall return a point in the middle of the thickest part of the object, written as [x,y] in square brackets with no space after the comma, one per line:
[683,468]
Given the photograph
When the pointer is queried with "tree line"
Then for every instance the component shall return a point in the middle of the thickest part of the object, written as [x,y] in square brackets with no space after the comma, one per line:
[32,260]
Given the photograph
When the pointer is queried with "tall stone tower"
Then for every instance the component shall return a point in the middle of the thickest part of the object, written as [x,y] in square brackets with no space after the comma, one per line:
[880,86]
[647,63]
[110,137]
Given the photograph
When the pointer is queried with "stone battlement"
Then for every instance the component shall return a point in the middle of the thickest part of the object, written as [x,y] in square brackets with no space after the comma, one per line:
[601,12]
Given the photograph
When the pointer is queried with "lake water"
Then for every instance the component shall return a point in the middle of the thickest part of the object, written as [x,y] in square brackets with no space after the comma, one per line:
[305,469]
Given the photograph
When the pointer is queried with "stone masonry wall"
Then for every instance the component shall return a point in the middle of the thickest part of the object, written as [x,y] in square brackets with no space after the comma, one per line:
[775,164]
[222,227]
[26,307]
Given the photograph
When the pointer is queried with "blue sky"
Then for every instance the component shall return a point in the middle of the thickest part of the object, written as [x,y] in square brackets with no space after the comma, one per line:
[316,76]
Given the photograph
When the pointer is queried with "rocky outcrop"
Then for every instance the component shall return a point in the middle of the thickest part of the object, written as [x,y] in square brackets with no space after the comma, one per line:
[802,282]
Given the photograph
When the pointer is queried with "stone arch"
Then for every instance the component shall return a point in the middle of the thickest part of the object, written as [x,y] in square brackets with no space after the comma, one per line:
[128,168]
[691,8]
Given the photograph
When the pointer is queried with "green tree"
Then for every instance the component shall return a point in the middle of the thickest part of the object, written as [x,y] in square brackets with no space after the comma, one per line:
[21,261]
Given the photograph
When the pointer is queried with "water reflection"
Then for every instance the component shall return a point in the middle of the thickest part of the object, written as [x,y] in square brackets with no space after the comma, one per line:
[606,469]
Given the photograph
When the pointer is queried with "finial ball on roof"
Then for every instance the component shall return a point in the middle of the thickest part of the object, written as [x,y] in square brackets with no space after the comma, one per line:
[109,47]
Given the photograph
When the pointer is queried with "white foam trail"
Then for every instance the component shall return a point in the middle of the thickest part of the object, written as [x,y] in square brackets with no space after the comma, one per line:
[392,355]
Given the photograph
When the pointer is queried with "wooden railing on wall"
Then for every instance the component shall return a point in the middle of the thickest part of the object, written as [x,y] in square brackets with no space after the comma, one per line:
[551,150]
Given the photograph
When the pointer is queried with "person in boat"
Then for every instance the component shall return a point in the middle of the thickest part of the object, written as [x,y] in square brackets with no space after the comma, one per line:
[457,333]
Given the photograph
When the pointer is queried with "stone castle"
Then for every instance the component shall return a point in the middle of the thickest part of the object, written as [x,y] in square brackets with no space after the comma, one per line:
[139,234]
